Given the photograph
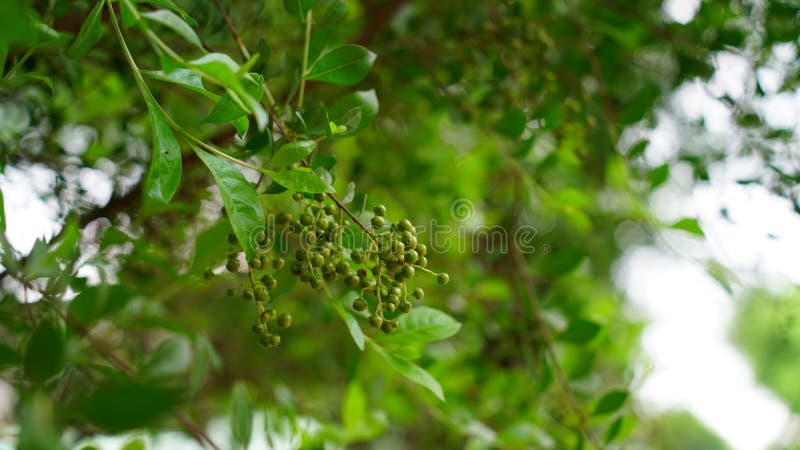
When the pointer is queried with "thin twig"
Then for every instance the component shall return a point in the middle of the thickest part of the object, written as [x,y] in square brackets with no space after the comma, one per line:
[547,339]
[306,46]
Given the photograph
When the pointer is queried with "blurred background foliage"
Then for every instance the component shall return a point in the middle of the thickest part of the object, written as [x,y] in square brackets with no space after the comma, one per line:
[515,109]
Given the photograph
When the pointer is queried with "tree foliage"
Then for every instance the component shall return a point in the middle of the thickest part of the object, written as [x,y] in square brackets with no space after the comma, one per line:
[495,127]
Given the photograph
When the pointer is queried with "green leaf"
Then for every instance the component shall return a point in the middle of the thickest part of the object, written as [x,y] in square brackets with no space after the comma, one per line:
[226,109]
[422,325]
[241,416]
[164,175]
[659,176]
[643,102]
[580,331]
[135,444]
[219,67]
[130,13]
[346,65]
[351,322]
[241,201]
[610,402]
[638,149]
[354,407]
[89,34]
[171,359]
[2,214]
[169,4]
[173,22]
[690,226]
[302,180]
[45,353]
[298,8]
[357,111]
[291,153]
[410,370]
[562,261]
[143,404]
[512,123]
[97,302]
[187,78]
[210,247]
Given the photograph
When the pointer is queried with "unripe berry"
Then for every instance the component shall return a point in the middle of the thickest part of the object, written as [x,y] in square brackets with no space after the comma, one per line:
[306,219]
[300,254]
[422,261]
[264,341]
[278,263]
[367,283]
[261,294]
[387,328]
[285,320]
[405,307]
[351,281]
[379,210]
[319,197]
[377,221]
[375,321]
[261,237]
[408,272]
[395,323]
[422,249]
[318,284]
[391,307]
[419,293]
[330,209]
[248,294]
[232,239]
[269,314]
[274,340]
[232,265]
[359,304]
[342,268]
[411,257]
[255,262]
[283,218]
[443,278]
[297,196]
[405,225]
[317,260]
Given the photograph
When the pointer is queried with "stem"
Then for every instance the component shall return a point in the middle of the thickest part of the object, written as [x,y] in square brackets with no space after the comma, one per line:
[19,64]
[305,61]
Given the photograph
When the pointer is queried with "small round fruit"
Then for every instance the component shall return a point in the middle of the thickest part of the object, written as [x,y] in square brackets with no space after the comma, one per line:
[261,294]
[319,197]
[422,261]
[422,249]
[351,281]
[405,307]
[359,304]
[357,256]
[379,210]
[443,278]
[317,260]
[264,341]
[232,239]
[232,265]
[375,321]
[377,221]
[387,328]
[297,196]
[274,340]
[342,268]
[330,209]
[405,225]
[278,263]
[285,320]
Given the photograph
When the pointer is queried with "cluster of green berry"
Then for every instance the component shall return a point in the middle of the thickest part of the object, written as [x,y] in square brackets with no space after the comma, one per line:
[381,269]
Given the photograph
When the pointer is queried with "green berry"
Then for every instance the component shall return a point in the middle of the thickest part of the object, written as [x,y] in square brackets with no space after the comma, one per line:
[443,278]
[377,221]
[405,225]
[255,262]
[297,196]
[387,328]
[367,283]
[300,254]
[395,323]
[342,268]
[357,256]
[375,321]
[408,272]
[422,261]
[379,210]
[411,257]
[264,341]
[264,317]
[278,263]
[232,239]
[283,218]
[317,260]
[422,249]
[306,219]
[319,197]
[351,281]
[269,314]
[232,265]
[261,294]
[261,237]
[248,294]
[391,307]
[359,304]
[330,209]
[418,293]
[318,283]
[274,340]
[285,320]
[405,307]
